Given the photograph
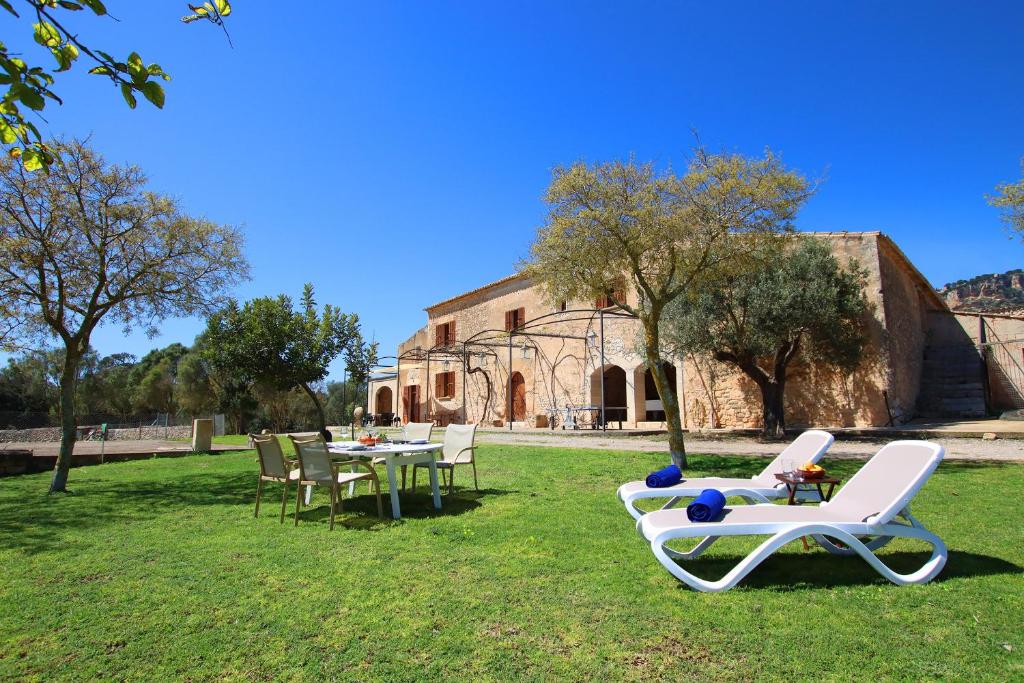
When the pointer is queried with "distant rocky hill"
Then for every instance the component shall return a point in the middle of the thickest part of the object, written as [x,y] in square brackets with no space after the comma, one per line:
[986,292]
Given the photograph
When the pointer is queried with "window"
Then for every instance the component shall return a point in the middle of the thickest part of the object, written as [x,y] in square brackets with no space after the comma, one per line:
[618,293]
[444,384]
[514,319]
[444,334]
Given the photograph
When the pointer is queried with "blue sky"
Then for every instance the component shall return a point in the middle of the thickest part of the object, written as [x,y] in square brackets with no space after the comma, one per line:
[395,154]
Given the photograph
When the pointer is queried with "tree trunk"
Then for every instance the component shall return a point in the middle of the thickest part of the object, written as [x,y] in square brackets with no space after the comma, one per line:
[772,392]
[68,423]
[669,400]
[321,418]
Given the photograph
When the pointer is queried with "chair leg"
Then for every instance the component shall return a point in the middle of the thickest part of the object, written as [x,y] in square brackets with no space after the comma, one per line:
[380,505]
[475,484]
[298,502]
[404,468]
[451,481]
[334,497]
[259,491]
[414,468]
[284,499]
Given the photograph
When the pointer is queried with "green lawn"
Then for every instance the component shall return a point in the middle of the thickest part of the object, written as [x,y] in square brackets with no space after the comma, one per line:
[156,570]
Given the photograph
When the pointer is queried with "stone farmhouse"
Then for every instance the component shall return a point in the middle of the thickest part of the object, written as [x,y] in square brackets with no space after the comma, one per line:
[503,352]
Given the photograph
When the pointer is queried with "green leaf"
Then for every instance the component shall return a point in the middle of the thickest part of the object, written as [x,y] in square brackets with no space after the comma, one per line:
[46,34]
[155,70]
[32,159]
[129,96]
[154,92]
[29,97]
[7,133]
[201,11]
[67,4]
[223,7]
[101,71]
[7,6]
[96,6]
[137,68]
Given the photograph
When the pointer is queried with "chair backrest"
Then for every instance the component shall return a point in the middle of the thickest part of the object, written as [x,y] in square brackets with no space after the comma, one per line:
[272,462]
[887,482]
[808,447]
[416,431]
[458,443]
[314,460]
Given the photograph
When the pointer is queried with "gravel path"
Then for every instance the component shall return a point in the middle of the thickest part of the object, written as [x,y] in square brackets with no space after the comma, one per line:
[1008,450]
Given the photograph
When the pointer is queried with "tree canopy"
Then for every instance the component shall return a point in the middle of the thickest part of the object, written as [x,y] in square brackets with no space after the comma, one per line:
[269,342]
[88,244]
[798,303]
[666,233]
[1009,198]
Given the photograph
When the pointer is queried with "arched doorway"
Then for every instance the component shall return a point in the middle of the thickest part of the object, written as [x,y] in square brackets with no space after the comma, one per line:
[384,397]
[614,392]
[653,405]
[518,397]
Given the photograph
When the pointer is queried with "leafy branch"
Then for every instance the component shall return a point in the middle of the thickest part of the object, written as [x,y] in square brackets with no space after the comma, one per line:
[28,87]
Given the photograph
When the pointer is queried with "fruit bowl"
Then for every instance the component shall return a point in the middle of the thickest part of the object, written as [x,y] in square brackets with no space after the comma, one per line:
[816,473]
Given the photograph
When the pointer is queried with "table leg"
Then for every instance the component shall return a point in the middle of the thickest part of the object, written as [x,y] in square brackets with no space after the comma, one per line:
[396,511]
[792,493]
[432,466]
[351,484]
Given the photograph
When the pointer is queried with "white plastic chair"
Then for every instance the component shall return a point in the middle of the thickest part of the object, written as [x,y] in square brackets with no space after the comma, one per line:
[458,449]
[760,488]
[871,510]
[316,469]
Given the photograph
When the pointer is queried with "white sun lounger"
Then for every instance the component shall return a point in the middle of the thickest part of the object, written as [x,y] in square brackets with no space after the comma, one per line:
[871,510]
[761,488]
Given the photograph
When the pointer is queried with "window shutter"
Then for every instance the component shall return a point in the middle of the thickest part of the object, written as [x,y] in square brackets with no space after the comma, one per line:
[437,335]
[438,385]
[508,321]
[521,315]
[451,332]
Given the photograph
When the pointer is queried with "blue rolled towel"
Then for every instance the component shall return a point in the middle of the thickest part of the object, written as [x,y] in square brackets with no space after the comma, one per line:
[665,477]
[706,507]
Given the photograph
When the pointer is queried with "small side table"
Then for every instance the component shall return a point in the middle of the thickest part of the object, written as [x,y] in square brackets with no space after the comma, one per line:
[796,482]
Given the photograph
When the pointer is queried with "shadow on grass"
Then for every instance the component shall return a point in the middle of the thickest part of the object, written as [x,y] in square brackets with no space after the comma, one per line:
[38,523]
[790,572]
[360,512]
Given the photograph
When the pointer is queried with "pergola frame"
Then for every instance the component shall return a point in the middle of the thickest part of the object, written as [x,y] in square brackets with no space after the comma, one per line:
[488,340]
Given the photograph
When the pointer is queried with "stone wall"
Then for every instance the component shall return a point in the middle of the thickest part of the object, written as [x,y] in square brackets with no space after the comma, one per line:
[128,434]
[566,371]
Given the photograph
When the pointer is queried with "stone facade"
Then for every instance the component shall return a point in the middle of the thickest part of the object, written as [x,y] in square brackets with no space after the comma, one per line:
[546,373]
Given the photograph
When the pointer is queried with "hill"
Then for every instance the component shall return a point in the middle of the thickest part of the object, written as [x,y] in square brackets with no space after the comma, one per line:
[986,292]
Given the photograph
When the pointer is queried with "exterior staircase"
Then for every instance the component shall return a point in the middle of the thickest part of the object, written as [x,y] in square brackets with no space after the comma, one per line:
[951,383]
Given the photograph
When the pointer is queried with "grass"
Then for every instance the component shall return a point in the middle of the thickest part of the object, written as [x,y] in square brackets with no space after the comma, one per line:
[157,570]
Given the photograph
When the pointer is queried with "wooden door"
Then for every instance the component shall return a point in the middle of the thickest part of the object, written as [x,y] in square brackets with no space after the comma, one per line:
[518,397]
[411,403]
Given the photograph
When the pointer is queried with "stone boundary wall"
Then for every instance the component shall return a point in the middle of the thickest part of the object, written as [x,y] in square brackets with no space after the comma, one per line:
[127,434]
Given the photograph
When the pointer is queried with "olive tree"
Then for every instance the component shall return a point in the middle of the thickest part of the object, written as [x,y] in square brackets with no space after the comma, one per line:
[799,303]
[87,244]
[666,233]
[1010,198]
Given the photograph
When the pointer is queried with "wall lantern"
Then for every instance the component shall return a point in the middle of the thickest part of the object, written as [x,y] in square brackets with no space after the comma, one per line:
[592,339]
[525,350]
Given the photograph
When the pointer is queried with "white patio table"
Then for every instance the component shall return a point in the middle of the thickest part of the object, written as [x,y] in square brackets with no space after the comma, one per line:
[395,456]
